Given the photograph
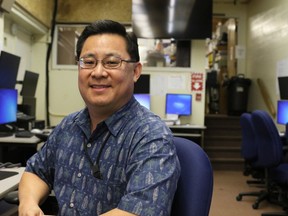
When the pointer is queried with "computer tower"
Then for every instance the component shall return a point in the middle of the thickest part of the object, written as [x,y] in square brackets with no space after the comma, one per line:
[29,106]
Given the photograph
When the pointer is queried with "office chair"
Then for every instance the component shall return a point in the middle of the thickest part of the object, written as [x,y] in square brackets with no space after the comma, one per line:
[249,148]
[49,207]
[249,151]
[270,157]
[195,186]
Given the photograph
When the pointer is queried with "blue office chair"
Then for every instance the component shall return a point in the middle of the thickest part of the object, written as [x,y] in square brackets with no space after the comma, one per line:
[249,148]
[195,186]
[249,152]
[270,157]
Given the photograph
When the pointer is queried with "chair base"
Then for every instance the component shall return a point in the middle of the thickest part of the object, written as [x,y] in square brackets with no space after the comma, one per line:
[256,182]
[264,195]
[240,195]
[261,196]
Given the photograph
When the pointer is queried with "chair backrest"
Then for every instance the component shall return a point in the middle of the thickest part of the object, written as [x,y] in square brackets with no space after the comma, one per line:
[249,148]
[270,147]
[195,186]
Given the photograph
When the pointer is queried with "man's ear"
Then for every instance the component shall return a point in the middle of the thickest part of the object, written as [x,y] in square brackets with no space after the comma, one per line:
[137,71]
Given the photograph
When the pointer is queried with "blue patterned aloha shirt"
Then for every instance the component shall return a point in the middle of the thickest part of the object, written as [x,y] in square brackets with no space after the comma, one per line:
[138,163]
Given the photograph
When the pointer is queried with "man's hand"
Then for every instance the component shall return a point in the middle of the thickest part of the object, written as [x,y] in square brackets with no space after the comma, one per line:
[26,209]
[117,212]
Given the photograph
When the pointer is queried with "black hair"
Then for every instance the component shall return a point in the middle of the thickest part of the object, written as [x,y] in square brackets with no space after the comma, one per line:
[109,26]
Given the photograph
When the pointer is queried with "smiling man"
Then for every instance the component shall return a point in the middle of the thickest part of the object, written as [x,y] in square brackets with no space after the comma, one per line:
[114,157]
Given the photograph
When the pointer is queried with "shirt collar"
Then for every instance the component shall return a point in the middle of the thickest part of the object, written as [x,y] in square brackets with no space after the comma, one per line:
[119,119]
[114,123]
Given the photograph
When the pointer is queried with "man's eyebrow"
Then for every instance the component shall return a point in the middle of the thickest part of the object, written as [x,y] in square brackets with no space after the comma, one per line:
[112,54]
[88,55]
[106,55]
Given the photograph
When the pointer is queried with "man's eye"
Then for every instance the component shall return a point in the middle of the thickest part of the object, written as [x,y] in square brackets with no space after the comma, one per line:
[89,61]
[111,62]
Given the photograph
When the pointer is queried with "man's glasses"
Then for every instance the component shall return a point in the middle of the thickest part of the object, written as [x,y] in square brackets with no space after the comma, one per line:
[109,62]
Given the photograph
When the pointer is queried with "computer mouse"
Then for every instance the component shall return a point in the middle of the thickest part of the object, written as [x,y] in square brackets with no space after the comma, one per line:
[36,131]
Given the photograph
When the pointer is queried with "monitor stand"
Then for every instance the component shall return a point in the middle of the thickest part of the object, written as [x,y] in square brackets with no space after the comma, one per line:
[173,118]
[6,130]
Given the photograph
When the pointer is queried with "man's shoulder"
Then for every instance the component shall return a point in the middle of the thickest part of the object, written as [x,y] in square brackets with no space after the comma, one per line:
[74,117]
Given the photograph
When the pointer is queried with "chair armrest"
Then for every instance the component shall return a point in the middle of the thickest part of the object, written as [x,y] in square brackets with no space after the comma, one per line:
[50,205]
[12,197]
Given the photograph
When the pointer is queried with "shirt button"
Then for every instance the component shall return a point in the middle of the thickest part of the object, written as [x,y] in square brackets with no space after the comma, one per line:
[79,175]
[71,205]
[89,145]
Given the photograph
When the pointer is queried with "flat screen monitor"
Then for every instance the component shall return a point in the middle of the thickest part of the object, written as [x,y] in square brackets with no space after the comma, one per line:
[143,99]
[8,106]
[179,104]
[282,112]
[9,65]
[181,19]
[142,86]
[283,87]
[29,84]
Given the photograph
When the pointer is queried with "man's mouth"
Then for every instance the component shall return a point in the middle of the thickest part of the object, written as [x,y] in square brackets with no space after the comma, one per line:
[99,86]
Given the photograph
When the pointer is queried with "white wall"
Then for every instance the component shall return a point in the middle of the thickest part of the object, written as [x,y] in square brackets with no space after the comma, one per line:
[64,95]
[38,56]
[162,83]
[267,39]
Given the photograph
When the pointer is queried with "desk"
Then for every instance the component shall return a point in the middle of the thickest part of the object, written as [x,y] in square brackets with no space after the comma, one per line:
[17,149]
[11,183]
[193,132]
[19,140]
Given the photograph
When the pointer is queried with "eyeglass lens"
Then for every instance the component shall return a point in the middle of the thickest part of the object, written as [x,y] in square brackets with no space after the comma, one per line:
[109,62]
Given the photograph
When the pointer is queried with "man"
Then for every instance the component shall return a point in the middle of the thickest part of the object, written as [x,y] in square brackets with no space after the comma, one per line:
[114,157]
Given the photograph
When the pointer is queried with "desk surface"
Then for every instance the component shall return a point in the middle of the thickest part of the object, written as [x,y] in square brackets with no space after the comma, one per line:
[20,140]
[188,126]
[11,183]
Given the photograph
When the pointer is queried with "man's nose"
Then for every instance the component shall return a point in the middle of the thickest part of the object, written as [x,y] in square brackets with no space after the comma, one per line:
[98,70]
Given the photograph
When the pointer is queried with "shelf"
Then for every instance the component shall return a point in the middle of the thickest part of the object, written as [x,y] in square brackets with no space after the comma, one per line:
[223,61]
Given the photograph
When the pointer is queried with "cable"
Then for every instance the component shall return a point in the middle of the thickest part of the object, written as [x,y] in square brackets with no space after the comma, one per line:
[47,59]
[96,167]
[9,165]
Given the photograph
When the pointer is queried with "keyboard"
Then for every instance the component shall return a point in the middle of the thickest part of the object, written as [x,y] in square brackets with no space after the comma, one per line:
[6,174]
[24,133]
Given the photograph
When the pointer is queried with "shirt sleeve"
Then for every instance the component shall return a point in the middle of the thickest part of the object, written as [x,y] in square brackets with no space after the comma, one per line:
[153,173]
[41,163]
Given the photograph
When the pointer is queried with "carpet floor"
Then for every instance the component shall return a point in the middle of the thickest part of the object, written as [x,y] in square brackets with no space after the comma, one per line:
[227,185]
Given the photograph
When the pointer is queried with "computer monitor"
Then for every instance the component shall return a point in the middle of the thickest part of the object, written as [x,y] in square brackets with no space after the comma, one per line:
[9,65]
[283,87]
[282,112]
[142,86]
[143,99]
[29,84]
[8,110]
[178,104]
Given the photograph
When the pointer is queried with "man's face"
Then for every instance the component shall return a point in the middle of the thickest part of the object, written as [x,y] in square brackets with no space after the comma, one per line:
[102,88]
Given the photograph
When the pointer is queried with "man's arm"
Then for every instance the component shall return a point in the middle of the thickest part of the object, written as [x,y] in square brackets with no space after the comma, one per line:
[32,192]
[117,212]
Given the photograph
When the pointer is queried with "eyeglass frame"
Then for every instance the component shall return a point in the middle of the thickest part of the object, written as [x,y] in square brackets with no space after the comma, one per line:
[102,63]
